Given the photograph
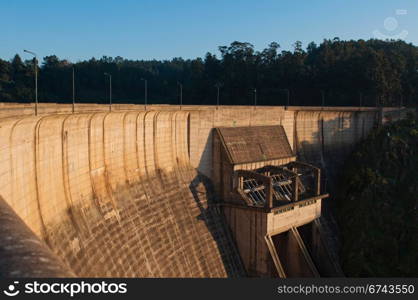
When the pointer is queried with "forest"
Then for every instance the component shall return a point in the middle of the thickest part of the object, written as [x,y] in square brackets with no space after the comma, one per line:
[333,73]
[377,203]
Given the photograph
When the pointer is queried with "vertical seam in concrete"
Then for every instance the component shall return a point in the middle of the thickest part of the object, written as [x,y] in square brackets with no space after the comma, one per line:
[65,172]
[65,169]
[140,175]
[124,146]
[173,140]
[36,153]
[109,189]
[95,200]
[144,142]
[136,143]
[295,133]
[11,158]
[154,146]
[137,171]
[321,120]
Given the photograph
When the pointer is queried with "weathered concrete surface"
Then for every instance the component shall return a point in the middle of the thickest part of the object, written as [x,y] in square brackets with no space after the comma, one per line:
[128,193]
[113,194]
[325,138]
[22,254]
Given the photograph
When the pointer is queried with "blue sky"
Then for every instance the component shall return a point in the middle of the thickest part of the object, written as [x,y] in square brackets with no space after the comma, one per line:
[147,29]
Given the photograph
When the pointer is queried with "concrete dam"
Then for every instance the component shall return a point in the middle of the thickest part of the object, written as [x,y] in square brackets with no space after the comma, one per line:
[154,193]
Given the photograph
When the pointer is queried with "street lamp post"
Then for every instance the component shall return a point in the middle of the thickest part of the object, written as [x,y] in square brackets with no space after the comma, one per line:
[218,86]
[146,92]
[73,92]
[288,96]
[36,79]
[255,98]
[181,94]
[110,90]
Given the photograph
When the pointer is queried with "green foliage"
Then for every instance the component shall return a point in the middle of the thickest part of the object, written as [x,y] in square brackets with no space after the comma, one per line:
[380,71]
[378,202]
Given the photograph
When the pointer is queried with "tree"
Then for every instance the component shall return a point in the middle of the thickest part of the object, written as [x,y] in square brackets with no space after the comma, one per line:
[383,71]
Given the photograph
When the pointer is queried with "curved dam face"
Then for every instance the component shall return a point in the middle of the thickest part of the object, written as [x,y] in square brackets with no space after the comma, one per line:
[130,193]
[114,194]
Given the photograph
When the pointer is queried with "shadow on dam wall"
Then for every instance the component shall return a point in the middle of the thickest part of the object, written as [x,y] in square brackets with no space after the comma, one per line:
[326,139]
[200,186]
[128,193]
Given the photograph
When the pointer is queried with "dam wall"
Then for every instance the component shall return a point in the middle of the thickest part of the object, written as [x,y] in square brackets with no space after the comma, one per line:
[323,137]
[129,192]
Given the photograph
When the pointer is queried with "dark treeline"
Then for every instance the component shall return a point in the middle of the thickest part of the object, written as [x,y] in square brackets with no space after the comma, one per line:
[341,72]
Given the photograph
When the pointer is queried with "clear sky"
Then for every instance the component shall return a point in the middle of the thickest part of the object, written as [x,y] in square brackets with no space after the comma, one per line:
[147,29]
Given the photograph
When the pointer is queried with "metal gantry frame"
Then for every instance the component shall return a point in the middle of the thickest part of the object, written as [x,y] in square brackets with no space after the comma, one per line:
[272,186]
[255,191]
[35,64]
